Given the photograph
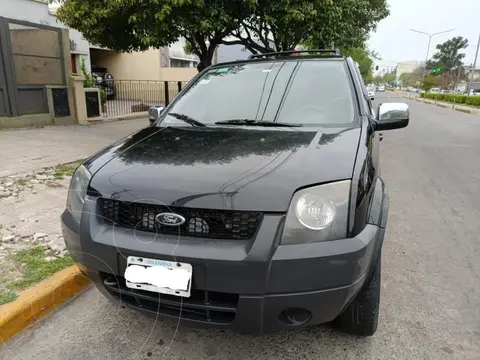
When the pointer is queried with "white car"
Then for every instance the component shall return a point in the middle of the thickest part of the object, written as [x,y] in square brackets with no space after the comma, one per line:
[371,93]
[381,88]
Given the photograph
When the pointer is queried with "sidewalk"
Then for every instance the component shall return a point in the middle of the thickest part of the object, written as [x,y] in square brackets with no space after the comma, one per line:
[33,195]
[23,151]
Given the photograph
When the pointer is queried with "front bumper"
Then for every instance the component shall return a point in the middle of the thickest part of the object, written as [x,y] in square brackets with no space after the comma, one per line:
[240,285]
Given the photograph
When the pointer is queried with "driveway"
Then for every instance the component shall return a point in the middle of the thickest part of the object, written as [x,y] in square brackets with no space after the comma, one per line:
[430,306]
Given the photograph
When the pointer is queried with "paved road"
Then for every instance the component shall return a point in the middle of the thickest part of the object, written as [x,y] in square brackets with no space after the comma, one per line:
[430,306]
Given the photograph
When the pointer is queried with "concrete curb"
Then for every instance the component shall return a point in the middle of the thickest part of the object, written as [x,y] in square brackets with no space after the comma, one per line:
[38,301]
[446,105]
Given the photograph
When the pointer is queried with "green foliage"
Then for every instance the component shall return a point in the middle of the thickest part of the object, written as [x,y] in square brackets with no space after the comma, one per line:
[335,24]
[377,79]
[388,78]
[259,25]
[127,25]
[36,270]
[103,96]
[411,79]
[364,60]
[454,98]
[473,100]
[429,82]
[88,77]
[7,296]
[67,169]
[448,58]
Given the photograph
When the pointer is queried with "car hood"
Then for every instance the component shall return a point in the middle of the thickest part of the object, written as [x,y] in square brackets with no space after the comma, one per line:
[222,167]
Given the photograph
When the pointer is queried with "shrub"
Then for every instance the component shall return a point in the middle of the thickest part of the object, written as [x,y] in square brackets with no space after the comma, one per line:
[88,78]
[473,100]
[459,99]
[430,96]
[103,96]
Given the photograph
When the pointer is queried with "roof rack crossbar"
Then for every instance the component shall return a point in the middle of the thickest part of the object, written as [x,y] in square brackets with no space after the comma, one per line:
[334,52]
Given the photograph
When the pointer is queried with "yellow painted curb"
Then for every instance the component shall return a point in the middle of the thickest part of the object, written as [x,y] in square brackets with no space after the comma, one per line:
[36,302]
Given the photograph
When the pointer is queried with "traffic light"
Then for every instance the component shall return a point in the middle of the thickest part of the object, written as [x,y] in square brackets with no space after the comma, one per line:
[436,70]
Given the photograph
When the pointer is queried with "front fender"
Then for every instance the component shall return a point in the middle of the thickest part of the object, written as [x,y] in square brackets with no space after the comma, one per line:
[378,215]
[379,204]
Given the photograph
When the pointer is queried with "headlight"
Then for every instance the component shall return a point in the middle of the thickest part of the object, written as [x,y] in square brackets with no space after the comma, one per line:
[78,191]
[319,213]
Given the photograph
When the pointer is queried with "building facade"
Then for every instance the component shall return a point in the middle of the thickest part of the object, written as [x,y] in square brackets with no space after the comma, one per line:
[407,67]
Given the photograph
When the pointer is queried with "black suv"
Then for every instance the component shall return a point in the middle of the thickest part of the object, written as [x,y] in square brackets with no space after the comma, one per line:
[253,202]
[104,80]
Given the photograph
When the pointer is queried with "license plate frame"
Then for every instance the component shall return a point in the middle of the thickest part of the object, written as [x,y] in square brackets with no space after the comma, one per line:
[148,262]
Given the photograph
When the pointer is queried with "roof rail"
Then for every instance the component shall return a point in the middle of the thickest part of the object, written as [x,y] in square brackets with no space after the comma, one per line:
[330,52]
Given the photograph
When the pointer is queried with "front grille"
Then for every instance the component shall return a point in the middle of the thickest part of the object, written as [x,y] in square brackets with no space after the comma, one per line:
[204,223]
[202,305]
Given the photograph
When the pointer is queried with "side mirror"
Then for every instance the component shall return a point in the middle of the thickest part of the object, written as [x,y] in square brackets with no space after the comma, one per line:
[392,116]
[154,113]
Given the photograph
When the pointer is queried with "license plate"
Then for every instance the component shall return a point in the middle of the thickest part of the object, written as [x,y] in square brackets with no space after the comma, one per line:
[160,276]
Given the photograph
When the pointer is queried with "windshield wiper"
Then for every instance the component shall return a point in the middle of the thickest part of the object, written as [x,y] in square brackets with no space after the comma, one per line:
[248,122]
[187,119]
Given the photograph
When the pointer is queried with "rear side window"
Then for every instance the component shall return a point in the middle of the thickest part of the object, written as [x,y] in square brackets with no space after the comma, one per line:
[319,93]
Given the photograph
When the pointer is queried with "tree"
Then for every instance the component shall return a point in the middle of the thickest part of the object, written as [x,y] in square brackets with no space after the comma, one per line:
[283,24]
[405,79]
[259,25]
[365,62]
[388,78]
[126,25]
[429,82]
[378,80]
[413,78]
[448,57]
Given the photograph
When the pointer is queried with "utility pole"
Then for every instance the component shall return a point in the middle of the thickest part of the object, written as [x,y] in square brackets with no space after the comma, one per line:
[472,74]
[428,47]
[458,79]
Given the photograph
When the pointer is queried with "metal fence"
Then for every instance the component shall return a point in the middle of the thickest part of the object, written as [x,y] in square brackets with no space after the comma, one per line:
[132,96]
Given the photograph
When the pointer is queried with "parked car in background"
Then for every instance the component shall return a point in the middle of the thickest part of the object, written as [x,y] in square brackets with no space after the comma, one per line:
[104,80]
[371,93]
[434,91]
[474,92]
[381,88]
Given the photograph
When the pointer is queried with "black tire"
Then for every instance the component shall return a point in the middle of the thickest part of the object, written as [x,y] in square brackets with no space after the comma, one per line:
[361,316]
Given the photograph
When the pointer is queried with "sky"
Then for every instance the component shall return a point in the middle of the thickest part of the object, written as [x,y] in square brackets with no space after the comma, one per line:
[395,42]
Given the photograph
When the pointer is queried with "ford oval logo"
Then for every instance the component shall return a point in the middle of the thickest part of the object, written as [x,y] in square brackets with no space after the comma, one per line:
[170,219]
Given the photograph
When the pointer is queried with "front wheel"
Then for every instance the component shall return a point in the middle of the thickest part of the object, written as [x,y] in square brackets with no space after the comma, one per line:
[361,316]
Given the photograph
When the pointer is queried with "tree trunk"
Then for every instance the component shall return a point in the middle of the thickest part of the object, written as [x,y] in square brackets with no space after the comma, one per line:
[205,61]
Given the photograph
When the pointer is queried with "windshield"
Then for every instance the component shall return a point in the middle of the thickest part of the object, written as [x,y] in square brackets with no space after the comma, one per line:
[306,92]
